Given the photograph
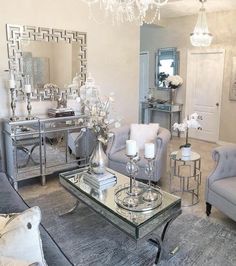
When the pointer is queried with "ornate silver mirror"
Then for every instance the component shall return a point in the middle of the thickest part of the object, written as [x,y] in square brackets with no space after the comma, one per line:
[167,64]
[54,60]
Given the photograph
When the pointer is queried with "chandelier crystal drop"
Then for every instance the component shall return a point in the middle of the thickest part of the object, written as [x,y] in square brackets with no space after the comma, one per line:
[201,37]
[140,11]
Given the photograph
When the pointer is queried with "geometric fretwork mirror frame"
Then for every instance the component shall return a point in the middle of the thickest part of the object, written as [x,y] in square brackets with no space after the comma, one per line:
[18,33]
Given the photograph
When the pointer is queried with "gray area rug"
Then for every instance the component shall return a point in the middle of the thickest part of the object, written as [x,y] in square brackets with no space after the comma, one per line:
[89,240]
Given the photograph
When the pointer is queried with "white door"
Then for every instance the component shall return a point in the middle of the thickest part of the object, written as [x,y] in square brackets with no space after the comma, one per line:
[203,94]
[143,78]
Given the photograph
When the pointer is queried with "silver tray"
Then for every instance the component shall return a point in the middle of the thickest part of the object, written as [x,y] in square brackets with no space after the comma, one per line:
[143,206]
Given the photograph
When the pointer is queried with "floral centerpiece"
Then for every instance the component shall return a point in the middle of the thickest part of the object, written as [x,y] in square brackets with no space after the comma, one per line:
[99,117]
[189,122]
[99,120]
[174,81]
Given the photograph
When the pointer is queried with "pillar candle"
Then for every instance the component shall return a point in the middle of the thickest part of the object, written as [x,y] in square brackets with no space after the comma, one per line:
[131,147]
[11,84]
[27,88]
[149,152]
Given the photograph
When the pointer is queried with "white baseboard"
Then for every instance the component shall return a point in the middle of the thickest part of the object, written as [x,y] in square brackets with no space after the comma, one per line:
[220,142]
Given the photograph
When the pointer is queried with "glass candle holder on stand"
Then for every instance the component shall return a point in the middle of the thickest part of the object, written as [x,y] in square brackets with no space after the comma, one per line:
[28,94]
[12,87]
[131,200]
[149,195]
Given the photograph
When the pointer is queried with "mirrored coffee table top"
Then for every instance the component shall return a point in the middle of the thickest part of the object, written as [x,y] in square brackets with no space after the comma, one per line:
[74,182]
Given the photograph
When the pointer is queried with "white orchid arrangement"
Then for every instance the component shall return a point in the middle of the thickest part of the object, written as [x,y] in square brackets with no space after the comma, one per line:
[189,122]
[174,81]
[99,116]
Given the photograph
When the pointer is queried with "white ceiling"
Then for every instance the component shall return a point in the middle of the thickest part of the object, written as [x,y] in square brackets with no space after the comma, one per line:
[178,8]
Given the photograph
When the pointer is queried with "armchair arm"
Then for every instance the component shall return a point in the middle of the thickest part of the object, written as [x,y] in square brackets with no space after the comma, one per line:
[162,140]
[118,141]
[225,158]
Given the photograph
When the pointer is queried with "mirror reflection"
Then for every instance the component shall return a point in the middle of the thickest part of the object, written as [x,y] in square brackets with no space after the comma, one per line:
[50,62]
[166,65]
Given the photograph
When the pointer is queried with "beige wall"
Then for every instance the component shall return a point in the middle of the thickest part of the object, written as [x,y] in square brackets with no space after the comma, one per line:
[175,33]
[113,51]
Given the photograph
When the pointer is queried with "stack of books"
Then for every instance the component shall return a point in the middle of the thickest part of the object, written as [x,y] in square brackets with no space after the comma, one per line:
[101,181]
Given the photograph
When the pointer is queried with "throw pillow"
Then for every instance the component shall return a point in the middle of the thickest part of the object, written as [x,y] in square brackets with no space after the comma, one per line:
[20,236]
[143,133]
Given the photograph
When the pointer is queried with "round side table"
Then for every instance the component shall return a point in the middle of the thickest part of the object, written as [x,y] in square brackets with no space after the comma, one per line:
[185,177]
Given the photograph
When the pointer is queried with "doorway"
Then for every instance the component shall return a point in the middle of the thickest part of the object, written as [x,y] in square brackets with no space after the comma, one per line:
[143,79]
[203,91]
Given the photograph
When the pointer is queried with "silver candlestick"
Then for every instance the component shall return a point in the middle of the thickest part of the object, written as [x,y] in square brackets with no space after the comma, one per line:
[13,105]
[29,107]
[131,167]
[149,195]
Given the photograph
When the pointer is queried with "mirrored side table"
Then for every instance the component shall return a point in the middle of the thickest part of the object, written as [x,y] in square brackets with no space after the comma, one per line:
[185,177]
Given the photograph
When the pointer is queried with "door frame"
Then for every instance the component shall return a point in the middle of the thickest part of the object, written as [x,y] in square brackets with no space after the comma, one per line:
[188,103]
[148,64]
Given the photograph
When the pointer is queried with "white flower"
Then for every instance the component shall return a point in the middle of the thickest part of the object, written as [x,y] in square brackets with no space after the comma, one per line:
[175,80]
[194,116]
[110,134]
[180,127]
[192,123]
[117,124]
[188,123]
[102,113]
[111,99]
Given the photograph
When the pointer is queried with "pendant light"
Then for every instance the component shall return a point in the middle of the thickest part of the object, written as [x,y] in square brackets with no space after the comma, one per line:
[201,36]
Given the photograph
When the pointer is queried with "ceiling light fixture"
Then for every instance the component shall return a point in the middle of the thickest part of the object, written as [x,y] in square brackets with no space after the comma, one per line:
[201,36]
[129,10]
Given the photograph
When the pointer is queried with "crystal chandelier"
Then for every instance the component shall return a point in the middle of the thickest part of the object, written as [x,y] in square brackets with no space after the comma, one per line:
[201,36]
[129,10]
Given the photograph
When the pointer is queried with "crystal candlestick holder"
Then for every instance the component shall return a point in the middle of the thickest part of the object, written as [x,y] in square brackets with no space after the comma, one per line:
[149,195]
[29,107]
[131,167]
[13,105]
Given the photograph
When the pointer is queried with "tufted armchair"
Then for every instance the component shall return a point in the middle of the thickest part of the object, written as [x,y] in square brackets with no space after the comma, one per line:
[117,159]
[81,143]
[221,183]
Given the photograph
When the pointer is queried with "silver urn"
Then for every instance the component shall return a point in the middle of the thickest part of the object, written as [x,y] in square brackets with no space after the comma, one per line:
[98,160]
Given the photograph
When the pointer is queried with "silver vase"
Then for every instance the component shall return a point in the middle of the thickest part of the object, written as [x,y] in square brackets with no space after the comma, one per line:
[98,160]
[172,95]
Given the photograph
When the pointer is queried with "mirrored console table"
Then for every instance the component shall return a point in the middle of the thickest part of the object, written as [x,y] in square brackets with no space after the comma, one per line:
[147,110]
[39,147]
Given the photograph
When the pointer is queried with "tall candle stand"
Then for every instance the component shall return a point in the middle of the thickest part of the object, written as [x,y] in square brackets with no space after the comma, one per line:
[12,87]
[29,107]
[28,94]
[131,200]
[149,195]
[13,105]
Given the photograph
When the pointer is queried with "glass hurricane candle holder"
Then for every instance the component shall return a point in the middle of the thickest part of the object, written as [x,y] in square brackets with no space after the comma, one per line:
[131,200]
[149,195]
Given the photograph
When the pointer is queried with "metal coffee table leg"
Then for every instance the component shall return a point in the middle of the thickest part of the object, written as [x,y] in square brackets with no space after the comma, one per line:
[70,211]
[158,242]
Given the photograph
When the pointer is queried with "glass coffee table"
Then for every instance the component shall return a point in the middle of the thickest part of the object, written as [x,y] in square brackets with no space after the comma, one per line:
[138,225]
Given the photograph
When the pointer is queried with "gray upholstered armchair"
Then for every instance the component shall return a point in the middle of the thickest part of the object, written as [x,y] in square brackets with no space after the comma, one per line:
[81,143]
[117,159]
[221,183]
